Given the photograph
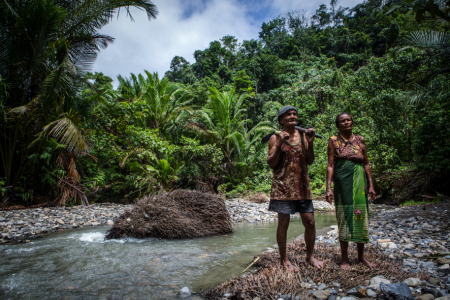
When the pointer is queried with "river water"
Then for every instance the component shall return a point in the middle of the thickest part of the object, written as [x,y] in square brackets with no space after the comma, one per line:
[80,264]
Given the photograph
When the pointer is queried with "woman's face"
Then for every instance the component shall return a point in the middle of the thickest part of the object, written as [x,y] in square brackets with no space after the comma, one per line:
[345,123]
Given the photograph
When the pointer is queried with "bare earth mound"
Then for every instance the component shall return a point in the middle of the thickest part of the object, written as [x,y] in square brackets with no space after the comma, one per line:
[258,198]
[271,280]
[180,214]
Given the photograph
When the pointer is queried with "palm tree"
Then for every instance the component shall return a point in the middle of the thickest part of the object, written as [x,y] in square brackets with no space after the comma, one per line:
[226,126]
[43,45]
[162,101]
[436,47]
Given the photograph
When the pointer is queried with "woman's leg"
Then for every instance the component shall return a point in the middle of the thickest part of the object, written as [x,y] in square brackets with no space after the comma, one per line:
[362,259]
[344,256]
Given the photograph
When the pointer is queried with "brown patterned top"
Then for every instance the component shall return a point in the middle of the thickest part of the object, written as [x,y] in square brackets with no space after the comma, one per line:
[351,149]
[290,178]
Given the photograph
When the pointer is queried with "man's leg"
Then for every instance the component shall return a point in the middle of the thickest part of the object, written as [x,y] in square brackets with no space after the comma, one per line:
[344,256]
[362,259]
[310,238]
[283,225]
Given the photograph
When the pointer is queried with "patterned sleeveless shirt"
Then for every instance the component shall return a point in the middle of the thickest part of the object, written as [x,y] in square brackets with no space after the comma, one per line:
[290,177]
[351,149]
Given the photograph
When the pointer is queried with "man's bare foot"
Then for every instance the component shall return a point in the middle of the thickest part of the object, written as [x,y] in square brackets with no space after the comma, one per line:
[346,266]
[368,263]
[315,263]
[289,266]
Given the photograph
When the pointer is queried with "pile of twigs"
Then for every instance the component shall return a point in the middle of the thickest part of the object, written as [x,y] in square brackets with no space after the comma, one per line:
[180,214]
[270,279]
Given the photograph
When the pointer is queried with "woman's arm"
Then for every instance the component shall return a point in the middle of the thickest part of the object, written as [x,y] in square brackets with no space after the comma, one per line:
[366,165]
[330,171]
[308,137]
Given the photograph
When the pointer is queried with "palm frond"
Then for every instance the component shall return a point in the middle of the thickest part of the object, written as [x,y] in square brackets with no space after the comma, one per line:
[67,132]
[428,40]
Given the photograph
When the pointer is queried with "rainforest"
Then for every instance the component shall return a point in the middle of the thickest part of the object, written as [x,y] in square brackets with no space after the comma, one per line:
[69,136]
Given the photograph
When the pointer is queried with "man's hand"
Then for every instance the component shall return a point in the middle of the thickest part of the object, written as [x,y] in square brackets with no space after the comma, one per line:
[282,137]
[372,193]
[310,135]
[329,196]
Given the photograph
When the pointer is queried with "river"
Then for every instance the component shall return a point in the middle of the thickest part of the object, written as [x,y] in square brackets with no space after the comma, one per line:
[80,264]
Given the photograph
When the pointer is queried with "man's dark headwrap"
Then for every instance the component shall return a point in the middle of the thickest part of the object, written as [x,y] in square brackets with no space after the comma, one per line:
[284,110]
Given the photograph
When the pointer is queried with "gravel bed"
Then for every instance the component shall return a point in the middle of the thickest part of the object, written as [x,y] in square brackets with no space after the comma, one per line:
[242,210]
[22,225]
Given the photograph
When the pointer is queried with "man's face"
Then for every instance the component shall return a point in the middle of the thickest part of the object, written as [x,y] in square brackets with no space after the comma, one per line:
[289,119]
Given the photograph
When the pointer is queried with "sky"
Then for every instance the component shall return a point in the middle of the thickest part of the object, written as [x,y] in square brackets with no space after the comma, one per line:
[183,26]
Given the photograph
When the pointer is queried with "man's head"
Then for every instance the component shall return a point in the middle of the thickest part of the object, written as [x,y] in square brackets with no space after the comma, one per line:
[287,114]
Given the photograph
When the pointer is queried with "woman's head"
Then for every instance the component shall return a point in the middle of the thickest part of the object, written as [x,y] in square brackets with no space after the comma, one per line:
[344,121]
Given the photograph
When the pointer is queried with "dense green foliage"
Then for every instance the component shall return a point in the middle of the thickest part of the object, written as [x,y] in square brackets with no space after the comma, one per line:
[67,134]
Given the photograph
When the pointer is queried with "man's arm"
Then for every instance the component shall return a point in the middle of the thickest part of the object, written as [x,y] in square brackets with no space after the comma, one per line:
[309,137]
[275,143]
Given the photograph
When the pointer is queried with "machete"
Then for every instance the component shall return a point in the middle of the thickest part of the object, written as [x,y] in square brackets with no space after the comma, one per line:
[299,129]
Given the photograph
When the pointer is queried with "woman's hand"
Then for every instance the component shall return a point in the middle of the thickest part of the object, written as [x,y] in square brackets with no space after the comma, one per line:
[372,193]
[329,196]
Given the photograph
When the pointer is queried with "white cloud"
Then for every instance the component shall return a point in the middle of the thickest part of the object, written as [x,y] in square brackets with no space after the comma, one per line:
[182,27]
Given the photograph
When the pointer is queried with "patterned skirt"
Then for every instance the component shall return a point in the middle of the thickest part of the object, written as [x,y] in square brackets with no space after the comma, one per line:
[351,201]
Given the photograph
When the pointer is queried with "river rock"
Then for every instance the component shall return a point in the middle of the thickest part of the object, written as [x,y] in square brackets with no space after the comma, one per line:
[443,261]
[371,293]
[413,282]
[59,221]
[428,265]
[399,290]
[184,292]
[305,285]
[409,263]
[425,297]
[322,294]
[443,298]
[109,222]
[375,283]
[322,287]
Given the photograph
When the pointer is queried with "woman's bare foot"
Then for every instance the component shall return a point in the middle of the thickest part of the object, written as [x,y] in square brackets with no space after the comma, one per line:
[315,263]
[368,263]
[346,266]
[289,266]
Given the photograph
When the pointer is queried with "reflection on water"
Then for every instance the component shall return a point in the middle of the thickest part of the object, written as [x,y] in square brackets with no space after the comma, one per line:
[80,264]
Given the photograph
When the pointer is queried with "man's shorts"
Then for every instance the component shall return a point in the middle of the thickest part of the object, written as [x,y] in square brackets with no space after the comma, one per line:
[291,206]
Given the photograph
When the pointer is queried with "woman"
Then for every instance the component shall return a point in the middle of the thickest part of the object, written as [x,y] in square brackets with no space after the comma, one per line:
[348,167]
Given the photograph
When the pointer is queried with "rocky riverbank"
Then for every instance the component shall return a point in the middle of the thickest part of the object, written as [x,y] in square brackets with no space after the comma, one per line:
[416,238]
[26,224]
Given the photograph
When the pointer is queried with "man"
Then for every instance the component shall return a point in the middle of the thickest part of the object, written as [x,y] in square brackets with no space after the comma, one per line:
[289,154]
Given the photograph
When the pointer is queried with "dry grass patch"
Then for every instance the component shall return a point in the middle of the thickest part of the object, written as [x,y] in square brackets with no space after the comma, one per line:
[270,278]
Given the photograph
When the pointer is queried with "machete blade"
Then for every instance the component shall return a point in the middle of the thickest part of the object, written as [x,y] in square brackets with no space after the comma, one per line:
[267,138]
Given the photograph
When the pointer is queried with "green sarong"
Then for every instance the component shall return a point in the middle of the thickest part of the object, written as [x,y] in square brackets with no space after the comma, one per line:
[350,199]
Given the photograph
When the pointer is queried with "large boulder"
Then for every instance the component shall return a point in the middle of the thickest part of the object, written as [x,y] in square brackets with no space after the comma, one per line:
[180,214]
